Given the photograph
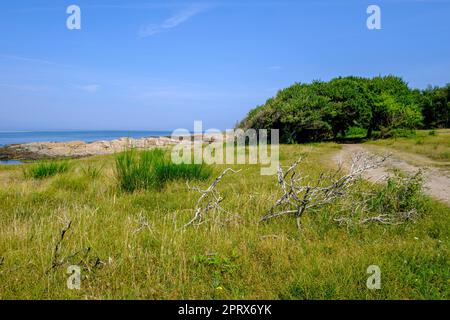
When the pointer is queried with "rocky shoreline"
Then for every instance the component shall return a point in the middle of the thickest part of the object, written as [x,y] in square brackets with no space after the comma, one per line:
[78,149]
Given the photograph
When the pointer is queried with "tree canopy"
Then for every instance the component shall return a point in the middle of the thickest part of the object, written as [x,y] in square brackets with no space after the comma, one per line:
[323,110]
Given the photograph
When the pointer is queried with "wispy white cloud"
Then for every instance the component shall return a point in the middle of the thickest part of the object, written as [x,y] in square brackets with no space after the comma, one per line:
[171,22]
[90,88]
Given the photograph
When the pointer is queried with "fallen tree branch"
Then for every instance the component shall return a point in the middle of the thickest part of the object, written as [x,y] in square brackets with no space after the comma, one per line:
[298,196]
[56,261]
[209,199]
[400,218]
[392,205]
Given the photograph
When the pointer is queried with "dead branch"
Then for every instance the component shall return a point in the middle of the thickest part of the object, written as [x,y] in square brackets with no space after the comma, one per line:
[299,196]
[143,224]
[56,261]
[382,218]
[209,199]
[397,219]
[387,215]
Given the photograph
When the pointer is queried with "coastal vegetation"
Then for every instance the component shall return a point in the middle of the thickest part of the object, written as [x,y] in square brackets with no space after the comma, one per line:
[153,169]
[129,240]
[380,107]
[46,169]
[434,144]
[141,227]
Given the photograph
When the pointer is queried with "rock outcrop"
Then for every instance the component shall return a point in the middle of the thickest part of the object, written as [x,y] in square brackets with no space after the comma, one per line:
[78,149]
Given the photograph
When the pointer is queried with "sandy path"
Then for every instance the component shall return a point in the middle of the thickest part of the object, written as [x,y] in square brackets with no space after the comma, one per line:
[437,181]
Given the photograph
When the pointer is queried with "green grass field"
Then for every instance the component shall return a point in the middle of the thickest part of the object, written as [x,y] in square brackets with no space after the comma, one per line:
[130,245]
[433,144]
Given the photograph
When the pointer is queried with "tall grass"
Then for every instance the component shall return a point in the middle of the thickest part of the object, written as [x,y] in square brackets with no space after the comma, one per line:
[46,169]
[166,171]
[151,169]
[432,144]
[136,171]
[129,245]
[92,171]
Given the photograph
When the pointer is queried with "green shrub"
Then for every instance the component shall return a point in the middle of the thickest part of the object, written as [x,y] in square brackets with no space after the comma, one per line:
[151,169]
[397,201]
[386,133]
[46,169]
[401,194]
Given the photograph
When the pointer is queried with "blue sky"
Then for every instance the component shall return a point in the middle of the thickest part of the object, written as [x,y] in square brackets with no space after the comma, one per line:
[160,65]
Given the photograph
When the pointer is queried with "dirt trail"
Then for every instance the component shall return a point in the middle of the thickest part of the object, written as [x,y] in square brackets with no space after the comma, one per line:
[437,181]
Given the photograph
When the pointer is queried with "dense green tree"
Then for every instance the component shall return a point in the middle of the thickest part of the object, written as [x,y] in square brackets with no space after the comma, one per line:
[348,104]
[393,104]
[323,110]
[435,105]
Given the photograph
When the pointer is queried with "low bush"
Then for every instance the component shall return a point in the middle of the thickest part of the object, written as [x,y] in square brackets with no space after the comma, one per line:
[398,200]
[401,194]
[386,133]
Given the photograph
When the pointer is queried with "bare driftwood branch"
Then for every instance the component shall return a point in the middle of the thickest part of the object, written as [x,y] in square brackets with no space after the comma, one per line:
[143,224]
[362,210]
[299,196]
[209,199]
[397,219]
[56,260]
